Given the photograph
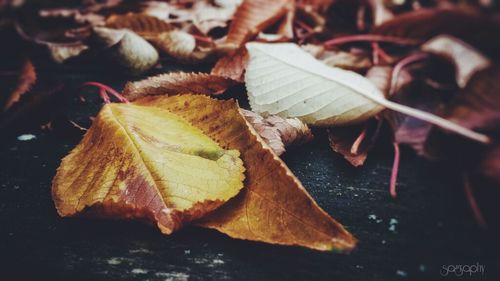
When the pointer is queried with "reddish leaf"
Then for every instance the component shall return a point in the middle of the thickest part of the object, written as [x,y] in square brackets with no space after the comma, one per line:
[177,83]
[469,25]
[233,65]
[253,16]
[25,80]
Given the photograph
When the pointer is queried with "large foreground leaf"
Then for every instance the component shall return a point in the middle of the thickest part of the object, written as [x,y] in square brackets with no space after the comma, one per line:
[147,163]
[273,207]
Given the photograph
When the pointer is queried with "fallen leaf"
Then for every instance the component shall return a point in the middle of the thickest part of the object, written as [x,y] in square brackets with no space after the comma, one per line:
[126,167]
[346,60]
[320,5]
[62,52]
[232,65]
[128,49]
[467,24]
[354,142]
[380,13]
[144,25]
[253,16]
[273,207]
[320,95]
[476,106]
[466,59]
[25,81]
[177,83]
[278,132]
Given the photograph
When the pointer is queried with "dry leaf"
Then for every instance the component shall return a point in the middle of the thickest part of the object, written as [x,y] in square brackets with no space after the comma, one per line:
[177,83]
[25,81]
[467,24]
[176,43]
[477,105]
[253,16]
[278,132]
[232,65]
[128,49]
[126,167]
[466,59]
[320,5]
[320,95]
[345,60]
[273,207]
[354,142]
[62,52]
[142,24]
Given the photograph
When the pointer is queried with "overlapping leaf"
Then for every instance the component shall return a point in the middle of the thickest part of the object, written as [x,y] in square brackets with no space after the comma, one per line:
[273,207]
[147,163]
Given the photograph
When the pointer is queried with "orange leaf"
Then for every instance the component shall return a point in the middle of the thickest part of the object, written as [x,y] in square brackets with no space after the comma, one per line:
[177,83]
[232,65]
[273,207]
[142,24]
[146,163]
[25,81]
[253,16]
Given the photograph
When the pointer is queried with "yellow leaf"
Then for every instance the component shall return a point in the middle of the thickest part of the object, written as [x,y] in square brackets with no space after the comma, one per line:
[147,163]
[273,207]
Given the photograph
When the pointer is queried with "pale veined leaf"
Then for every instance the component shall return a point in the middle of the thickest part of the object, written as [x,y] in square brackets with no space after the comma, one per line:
[285,80]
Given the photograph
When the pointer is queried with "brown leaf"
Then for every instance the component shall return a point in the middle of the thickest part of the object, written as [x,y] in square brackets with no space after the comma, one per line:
[142,24]
[146,163]
[177,83]
[25,81]
[253,16]
[466,59]
[477,105]
[273,207]
[232,65]
[345,60]
[319,5]
[279,132]
[354,142]
[469,25]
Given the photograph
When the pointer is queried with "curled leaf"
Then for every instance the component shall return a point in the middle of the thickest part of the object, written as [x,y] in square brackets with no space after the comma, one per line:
[273,207]
[232,65]
[142,24]
[318,94]
[353,142]
[62,52]
[278,132]
[466,59]
[177,83]
[25,81]
[128,49]
[253,16]
[463,23]
[126,167]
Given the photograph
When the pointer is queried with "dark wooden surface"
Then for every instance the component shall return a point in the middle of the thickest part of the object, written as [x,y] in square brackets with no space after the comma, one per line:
[434,225]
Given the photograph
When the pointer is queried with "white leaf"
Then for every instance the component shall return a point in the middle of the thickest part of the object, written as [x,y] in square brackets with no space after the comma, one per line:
[285,80]
[282,79]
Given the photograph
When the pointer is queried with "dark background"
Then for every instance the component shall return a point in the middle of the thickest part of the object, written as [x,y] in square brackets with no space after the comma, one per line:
[434,224]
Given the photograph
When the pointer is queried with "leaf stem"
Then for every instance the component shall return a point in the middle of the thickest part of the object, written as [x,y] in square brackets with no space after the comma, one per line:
[469,194]
[436,120]
[400,65]
[395,170]
[104,90]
